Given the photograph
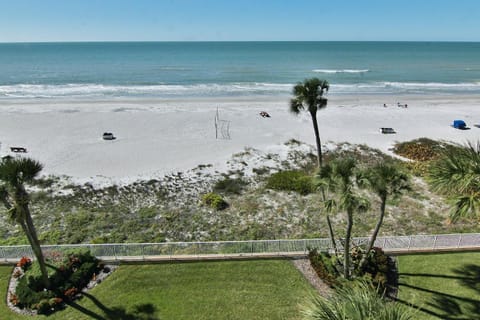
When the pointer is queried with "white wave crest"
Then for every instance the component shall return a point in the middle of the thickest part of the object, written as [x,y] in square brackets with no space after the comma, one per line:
[406,87]
[219,90]
[160,90]
[341,70]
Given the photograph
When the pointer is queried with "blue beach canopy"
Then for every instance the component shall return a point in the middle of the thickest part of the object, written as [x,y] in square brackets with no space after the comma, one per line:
[459,124]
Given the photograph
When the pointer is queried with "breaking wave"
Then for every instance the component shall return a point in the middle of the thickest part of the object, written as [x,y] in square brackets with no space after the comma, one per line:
[341,70]
[222,90]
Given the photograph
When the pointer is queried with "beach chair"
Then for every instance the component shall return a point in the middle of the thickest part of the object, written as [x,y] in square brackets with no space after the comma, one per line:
[18,149]
[387,130]
[108,136]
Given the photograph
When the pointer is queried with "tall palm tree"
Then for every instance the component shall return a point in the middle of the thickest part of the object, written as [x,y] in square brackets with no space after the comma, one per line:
[14,173]
[457,175]
[356,301]
[384,179]
[338,176]
[309,96]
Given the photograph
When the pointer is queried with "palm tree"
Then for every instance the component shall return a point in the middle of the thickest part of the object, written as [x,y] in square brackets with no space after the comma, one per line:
[309,96]
[457,175]
[339,176]
[384,179]
[356,301]
[14,173]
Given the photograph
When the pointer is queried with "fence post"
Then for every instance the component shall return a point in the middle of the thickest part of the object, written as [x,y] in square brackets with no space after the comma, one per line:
[409,243]
[384,243]
[143,252]
[115,252]
[459,241]
[304,246]
[434,242]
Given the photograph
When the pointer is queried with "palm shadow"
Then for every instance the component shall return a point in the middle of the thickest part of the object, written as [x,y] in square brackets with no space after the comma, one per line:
[141,312]
[447,306]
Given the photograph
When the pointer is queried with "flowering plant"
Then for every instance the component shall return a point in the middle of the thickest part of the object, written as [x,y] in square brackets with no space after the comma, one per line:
[24,263]
[70,293]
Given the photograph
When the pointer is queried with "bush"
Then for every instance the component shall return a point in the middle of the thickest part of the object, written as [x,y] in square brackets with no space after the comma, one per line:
[422,149]
[215,201]
[24,263]
[291,180]
[73,270]
[43,307]
[29,298]
[376,269]
[229,186]
[324,265]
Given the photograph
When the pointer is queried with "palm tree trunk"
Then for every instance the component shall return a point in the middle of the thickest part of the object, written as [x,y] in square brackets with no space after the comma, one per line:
[346,253]
[332,235]
[317,139]
[35,244]
[375,232]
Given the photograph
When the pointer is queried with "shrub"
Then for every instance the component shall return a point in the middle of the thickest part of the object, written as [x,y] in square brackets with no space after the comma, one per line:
[43,307]
[356,300]
[24,263]
[71,271]
[215,201]
[70,293]
[291,180]
[229,186]
[28,297]
[376,269]
[422,149]
[324,265]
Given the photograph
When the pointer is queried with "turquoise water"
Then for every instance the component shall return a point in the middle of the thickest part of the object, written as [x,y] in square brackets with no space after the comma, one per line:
[211,69]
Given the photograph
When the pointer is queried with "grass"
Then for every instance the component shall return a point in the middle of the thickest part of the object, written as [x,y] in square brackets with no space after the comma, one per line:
[262,289]
[441,286]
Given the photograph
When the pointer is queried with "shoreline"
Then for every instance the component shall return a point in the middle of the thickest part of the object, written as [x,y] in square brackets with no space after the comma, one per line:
[160,136]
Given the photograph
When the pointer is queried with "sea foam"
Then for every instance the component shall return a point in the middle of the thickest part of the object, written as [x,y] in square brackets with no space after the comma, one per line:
[32,91]
[341,70]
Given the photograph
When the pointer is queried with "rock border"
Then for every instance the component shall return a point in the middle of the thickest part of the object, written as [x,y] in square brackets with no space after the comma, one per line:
[305,267]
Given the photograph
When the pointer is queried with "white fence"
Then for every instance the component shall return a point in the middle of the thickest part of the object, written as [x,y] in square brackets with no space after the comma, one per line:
[177,250]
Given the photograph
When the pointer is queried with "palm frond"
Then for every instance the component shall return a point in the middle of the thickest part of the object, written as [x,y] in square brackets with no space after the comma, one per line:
[18,171]
[456,174]
[465,206]
[296,106]
[355,301]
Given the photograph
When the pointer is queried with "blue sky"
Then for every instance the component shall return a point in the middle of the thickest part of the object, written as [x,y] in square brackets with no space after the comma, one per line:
[238,20]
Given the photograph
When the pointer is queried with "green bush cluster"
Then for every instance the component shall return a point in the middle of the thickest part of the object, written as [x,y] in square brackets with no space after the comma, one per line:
[215,201]
[376,269]
[291,180]
[72,270]
[324,265]
[229,186]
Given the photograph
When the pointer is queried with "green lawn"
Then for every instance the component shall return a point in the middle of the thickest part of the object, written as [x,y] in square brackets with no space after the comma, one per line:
[442,286]
[262,289]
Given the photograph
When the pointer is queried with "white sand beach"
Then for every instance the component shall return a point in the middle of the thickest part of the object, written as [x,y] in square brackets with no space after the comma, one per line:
[155,136]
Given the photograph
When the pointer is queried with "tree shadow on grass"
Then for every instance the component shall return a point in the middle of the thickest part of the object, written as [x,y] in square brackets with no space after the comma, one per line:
[140,312]
[447,306]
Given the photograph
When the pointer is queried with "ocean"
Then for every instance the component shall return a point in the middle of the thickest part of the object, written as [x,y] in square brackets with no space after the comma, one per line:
[234,69]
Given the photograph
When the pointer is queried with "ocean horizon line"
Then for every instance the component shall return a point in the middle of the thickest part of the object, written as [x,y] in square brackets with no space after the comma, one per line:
[236,41]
